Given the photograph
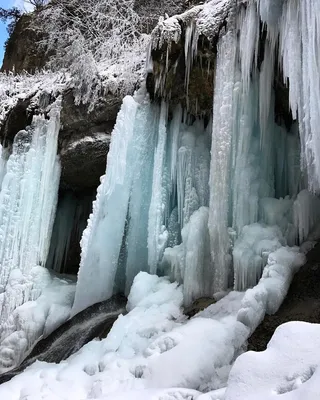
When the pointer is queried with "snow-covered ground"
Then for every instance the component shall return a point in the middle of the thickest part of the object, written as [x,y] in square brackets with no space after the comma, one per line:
[154,348]
[288,370]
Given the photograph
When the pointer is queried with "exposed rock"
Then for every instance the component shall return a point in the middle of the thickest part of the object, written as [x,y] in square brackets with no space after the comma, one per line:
[184,49]
[302,302]
[26,49]
[83,161]
[17,119]
[84,136]
[83,139]
[95,321]
[198,305]
[23,49]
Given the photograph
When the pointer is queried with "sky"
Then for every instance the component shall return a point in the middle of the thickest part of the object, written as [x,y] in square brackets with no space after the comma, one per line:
[3,30]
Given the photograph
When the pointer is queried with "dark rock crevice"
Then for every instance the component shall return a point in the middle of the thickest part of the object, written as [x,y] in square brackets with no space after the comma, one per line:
[302,302]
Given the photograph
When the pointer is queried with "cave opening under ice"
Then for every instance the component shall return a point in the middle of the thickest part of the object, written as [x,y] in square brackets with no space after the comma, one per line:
[71,217]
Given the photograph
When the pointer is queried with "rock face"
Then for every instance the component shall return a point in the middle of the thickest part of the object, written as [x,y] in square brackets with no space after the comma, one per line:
[23,51]
[83,139]
[95,321]
[150,10]
[184,49]
[302,302]
[85,134]
[26,48]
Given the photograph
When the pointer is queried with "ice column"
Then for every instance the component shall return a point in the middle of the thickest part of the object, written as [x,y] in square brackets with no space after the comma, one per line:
[102,239]
[219,183]
[157,233]
[27,204]
[299,46]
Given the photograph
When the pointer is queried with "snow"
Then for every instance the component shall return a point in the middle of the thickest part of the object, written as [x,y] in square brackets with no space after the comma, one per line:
[93,138]
[25,86]
[154,346]
[37,317]
[287,369]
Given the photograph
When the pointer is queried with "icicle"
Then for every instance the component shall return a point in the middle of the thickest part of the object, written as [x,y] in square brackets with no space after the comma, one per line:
[190,51]
[140,198]
[246,163]
[265,92]
[251,251]
[306,214]
[27,205]
[249,43]
[290,51]
[4,155]
[222,129]
[174,137]
[190,262]
[157,233]
[185,170]
[299,47]
[101,240]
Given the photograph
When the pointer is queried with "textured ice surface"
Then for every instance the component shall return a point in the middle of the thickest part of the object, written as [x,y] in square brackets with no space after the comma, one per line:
[219,181]
[28,200]
[101,241]
[35,318]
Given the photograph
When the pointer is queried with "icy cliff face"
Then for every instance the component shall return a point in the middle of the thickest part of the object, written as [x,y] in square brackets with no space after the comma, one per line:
[209,220]
[30,177]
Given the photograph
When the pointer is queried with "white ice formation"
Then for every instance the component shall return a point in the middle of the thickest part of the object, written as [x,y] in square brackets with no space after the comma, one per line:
[209,220]
[30,180]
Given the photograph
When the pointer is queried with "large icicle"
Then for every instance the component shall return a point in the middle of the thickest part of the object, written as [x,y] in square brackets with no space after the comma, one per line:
[157,233]
[219,182]
[190,262]
[27,206]
[102,239]
[137,235]
[299,46]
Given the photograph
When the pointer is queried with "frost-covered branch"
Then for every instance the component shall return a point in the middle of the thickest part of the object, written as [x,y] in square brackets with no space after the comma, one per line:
[99,42]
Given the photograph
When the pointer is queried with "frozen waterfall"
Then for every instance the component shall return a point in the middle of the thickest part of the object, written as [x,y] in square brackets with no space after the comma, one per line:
[27,208]
[209,220]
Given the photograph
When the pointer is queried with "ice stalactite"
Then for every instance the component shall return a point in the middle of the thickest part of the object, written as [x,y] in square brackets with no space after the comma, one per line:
[162,178]
[219,181]
[27,207]
[102,239]
[157,233]
[4,155]
[299,29]
[209,220]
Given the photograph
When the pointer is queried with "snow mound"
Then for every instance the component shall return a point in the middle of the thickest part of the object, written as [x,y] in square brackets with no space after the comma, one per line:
[154,346]
[289,369]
